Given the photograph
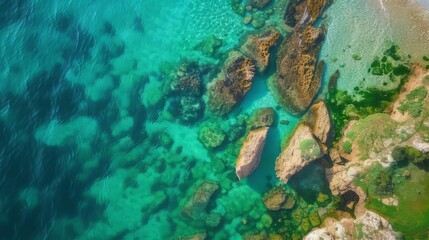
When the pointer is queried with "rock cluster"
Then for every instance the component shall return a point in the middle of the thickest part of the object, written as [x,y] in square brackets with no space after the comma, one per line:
[299,74]
[257,47]
[231,84]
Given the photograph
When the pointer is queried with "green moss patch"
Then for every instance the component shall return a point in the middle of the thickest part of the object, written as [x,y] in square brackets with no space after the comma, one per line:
[347,147]
[413,102]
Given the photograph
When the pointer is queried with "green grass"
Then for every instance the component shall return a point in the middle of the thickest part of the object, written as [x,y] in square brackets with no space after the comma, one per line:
[411,216]
[372,131]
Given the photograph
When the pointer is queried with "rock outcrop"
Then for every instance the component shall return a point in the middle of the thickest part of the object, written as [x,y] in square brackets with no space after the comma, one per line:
[257,47]
[368,226]
[231,84]
[299,74]
[301,149]
[319,121]
[250,152]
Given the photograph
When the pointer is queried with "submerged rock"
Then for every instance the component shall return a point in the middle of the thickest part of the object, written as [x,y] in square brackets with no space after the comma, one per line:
[250,152]
[195,206]
[301,149]
[257,47]
[318,119]
[263,117]
[231,84]
[259,3]
[277,199]
[211,135]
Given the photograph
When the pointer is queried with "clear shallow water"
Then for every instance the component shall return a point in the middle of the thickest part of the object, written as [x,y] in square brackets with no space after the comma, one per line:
[81,151]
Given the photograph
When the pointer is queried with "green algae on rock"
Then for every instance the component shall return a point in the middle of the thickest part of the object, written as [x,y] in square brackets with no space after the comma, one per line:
[211,135]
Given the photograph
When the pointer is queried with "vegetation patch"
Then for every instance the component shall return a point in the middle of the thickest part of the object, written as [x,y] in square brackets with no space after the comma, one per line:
[411,216]
[310,149]
[413,102]
[347,147]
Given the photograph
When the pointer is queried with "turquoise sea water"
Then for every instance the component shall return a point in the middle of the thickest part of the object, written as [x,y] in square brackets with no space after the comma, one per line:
[88,146]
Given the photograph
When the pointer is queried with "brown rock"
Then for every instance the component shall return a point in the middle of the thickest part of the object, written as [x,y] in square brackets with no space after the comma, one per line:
[335,156]
[231,84]
[319,121]
[257,47]
[301,149]
[298,76]
[250,152]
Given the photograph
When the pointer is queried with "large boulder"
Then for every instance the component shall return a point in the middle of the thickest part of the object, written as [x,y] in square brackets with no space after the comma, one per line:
[231,84]
[257,47]
[250,152]
[301,149]
[318,119]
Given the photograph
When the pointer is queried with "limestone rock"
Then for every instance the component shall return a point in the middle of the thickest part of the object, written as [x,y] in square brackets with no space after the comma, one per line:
[319,121]
[341,178]
[231,84]
[257,47]
[335,156]
[250,152]
[301,149]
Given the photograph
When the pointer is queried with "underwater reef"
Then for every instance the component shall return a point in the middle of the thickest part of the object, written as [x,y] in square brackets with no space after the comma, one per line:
[212,120]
